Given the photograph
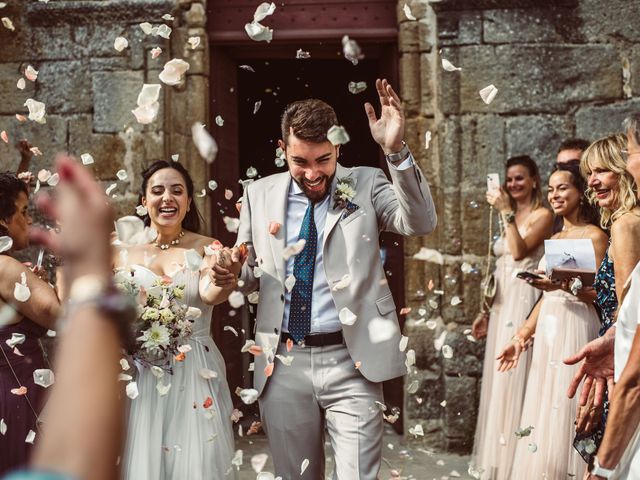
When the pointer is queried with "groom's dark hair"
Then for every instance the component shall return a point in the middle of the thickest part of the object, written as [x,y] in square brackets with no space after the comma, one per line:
[309,120]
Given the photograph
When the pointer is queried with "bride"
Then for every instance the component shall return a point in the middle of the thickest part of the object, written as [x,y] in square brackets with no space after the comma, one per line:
[185,431]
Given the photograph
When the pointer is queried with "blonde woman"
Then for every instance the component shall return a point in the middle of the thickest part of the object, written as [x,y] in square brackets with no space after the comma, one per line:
[613,189]
[526,225]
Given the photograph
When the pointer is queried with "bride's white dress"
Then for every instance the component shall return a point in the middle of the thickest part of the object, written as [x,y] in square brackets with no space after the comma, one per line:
[173,436]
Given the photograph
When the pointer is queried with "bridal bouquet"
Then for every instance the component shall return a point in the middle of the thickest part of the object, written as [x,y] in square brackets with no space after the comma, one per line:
[163,323]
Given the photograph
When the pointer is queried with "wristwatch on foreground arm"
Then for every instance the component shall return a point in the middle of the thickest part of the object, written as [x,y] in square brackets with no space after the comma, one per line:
[596,469]
[93,291]
[398,157]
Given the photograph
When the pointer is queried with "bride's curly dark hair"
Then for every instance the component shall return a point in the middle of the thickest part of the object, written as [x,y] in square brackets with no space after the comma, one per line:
[193,219]
[10,188]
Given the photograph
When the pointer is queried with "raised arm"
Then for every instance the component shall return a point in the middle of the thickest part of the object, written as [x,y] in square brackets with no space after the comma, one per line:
[42,307]
[625,249]
[249,282]
[540,229]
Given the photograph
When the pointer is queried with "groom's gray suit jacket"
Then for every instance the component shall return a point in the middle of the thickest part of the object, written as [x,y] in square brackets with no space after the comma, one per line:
[350,247]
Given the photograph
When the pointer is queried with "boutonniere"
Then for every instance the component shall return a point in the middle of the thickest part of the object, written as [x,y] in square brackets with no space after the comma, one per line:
[345,191]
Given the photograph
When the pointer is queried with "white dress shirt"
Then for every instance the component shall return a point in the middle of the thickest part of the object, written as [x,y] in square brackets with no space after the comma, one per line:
[324,315]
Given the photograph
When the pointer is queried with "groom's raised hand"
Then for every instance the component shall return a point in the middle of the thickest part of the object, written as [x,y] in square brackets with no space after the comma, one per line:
[388,130]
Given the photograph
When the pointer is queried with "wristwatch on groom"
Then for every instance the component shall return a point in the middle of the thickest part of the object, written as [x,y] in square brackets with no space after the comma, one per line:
[599,471]
[398,157]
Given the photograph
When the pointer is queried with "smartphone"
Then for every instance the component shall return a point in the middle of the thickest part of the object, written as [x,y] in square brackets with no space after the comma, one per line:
[529,276]
[493,182]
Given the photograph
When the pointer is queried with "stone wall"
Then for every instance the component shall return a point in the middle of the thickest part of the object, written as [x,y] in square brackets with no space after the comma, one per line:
[89,88]
[563,68]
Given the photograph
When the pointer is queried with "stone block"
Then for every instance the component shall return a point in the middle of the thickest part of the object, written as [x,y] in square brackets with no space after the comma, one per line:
[50,138]
[189,105]
[65,86]
[114,96]
[421,340]
[460,28]
[15,44]
[427,85]
[410,81]
[616,22]
[108,150]
[634,64]
[11,98]
[533,78]
[459,420]
[409,37]
[414,281]
[467,355]
[196,16]
[536,25]
[538,136]
[597,121]
[475,219]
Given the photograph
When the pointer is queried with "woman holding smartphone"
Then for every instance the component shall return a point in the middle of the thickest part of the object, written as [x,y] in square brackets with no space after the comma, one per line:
[563,321]
[526,225]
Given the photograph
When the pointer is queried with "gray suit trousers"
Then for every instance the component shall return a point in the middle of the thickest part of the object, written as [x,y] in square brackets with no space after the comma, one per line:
[322,391]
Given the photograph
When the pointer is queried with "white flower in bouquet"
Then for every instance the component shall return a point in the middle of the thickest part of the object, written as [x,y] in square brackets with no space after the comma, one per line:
[166,315]
[151,313]
[155,338]
[178,292]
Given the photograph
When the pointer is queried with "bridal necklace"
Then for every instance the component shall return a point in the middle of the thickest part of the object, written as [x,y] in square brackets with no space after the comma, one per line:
[172,243]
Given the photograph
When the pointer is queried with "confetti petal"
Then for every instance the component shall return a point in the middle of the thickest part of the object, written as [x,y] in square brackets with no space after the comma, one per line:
[344,282]
[3,426]
[404,341]
[232,224]
[194,42]
[131,230]
[337,135]
[347,317]
[293,249]
[236,299]
[248,395]
[6,243]
[285,359]
[173,71]
[21,292]
[43,377]
[122,175]
[87,159]
[407,12]
[488,94]
[132,390]
[351,50]
[156,52]
[120,43]
[429,255]
[302,54]
[204,142]
[304,465]
[8,24]
[219,120]
[274,228]
[36,110]
[31,436]
[381,330]
[31,73]
[141,210]
[207,374]
[21,84]
[449,67]
[447,351]
[290,282]
[258,462]
[16,339]
[357,87]
[258,32]
[192,260]
[163,389]
[19,391]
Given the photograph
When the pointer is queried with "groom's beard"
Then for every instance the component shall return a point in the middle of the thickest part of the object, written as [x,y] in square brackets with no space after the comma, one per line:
[313,194]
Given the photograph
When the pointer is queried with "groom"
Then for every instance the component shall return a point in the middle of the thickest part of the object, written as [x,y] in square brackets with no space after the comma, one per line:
[330,339]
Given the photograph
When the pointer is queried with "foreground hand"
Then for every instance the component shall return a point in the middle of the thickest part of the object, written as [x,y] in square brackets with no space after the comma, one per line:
[224,267]
[388,130]
[545,284]
[480,325]
[81,205]
[596,369]
[499,199]
[588,417]
[510,355]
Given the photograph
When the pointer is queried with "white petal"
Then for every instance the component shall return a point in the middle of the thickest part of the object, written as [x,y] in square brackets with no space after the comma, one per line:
[258,32]
[173,71]
[146,114]
[407,12]
[149,94]
[488,94]
[237,458]
[258,461]
[351,50]
[404,341]
[247,345]
[293,249]
[207,374]
[231,223]
[132,390]
[141,210]
[157,372]
[120,43]
[5,243]
[382,329]
[219,120]
[263,11]
[448,66]
[290,282]
[31,436]
[212,185]
[254,297]
[164,31]
[429,255]
[21,292]
[31,73]
[111,188]
[337,135]
[156,52]
[447,351]
[304,465]
[8,24]
[146,27]
[356,87]
[204,142]
[43,377]
[194,42]
[347,317]
[302,54]
[3,426]
[87,159]
[128,227]
[122,175]
[192,260]
[256,106]
[21,84]
[248,395]
[285,359]
[168,17]
[427,139]
[344,282]
[229,328]
[124,364]
[267,476]
[16,339]
[163,389]
[36,110]
[456,300]
[236,299]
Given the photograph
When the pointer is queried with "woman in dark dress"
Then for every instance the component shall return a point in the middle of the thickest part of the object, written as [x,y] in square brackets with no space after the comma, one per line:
[25,316]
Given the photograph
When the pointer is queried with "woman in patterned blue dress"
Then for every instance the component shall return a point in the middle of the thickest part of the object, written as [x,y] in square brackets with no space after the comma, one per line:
[614,191]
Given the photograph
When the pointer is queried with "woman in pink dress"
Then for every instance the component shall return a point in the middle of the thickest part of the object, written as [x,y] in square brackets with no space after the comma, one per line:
[562,321]
[526,225]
